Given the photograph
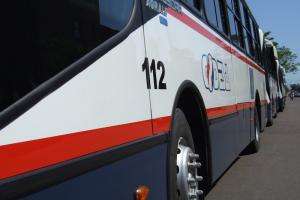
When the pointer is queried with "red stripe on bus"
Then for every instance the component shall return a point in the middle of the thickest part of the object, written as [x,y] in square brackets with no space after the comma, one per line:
[213,113]
[249,105]
[162,125]
[28,156]
[227,110]
[200,29]
[246,105]
[240,106]
[32,155]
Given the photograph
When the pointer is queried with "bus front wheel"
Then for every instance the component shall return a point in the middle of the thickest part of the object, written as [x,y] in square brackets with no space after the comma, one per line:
[184,164]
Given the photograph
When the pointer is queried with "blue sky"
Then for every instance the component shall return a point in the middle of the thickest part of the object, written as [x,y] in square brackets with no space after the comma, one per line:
[282,18]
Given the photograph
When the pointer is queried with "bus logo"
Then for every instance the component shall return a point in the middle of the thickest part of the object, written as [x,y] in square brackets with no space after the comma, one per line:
[215,74]
[207,70]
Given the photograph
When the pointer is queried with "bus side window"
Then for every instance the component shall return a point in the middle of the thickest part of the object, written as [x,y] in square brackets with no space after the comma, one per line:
[253,38]
[245,35]
[192,3]
[215,14]
[248,28]
[233,28]
[115,13]
[229,4]
[257,44]
[239,23]
[210,11]
[221,16]
[197,4]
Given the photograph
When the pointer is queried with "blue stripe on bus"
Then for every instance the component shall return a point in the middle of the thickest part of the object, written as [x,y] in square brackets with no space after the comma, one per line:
[118,180]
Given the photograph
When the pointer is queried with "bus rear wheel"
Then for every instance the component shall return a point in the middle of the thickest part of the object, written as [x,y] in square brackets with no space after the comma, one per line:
[184,164]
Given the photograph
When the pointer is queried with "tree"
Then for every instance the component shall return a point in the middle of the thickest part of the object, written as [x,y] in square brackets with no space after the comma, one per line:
[287,58]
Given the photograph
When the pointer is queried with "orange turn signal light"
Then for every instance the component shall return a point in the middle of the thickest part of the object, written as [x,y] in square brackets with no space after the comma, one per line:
[142,193]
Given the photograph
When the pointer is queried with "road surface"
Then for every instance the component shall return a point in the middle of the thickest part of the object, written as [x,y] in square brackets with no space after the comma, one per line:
[274,172]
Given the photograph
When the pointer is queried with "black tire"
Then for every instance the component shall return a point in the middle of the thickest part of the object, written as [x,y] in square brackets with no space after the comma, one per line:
[281,105]
[180,129]
[270,123]
[274,108]
[270,115]
[255,144]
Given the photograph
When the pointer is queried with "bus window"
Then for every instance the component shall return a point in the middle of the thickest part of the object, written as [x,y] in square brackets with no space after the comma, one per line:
[242,19]
[242,14]
[50,36]
[246,41]
[115,13]
[191,3]
[254,42]
[197,4]
[249,35]
[239,23]
[229,4]
[233,30]
[221,16]
[210,11]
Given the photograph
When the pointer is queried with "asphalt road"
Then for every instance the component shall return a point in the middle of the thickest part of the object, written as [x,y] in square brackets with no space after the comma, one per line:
[274,172]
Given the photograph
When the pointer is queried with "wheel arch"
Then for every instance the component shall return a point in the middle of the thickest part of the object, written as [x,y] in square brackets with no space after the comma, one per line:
[189,100]
[259,109]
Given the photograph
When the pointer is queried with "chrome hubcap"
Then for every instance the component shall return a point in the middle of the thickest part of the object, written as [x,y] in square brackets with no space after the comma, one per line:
[257,133]
[187,175]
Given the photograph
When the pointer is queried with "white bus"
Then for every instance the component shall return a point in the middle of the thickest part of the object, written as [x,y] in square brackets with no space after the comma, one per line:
[103,99]
[283,89]
[272,80]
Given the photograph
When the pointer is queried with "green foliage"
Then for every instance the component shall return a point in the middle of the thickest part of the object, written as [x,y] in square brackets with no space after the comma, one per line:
[287,58]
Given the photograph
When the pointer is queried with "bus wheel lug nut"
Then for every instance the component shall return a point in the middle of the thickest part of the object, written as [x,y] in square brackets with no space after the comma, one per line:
[191,180]
[199,178]
[194,165]
[199,192]
[194,156]
[193,195]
